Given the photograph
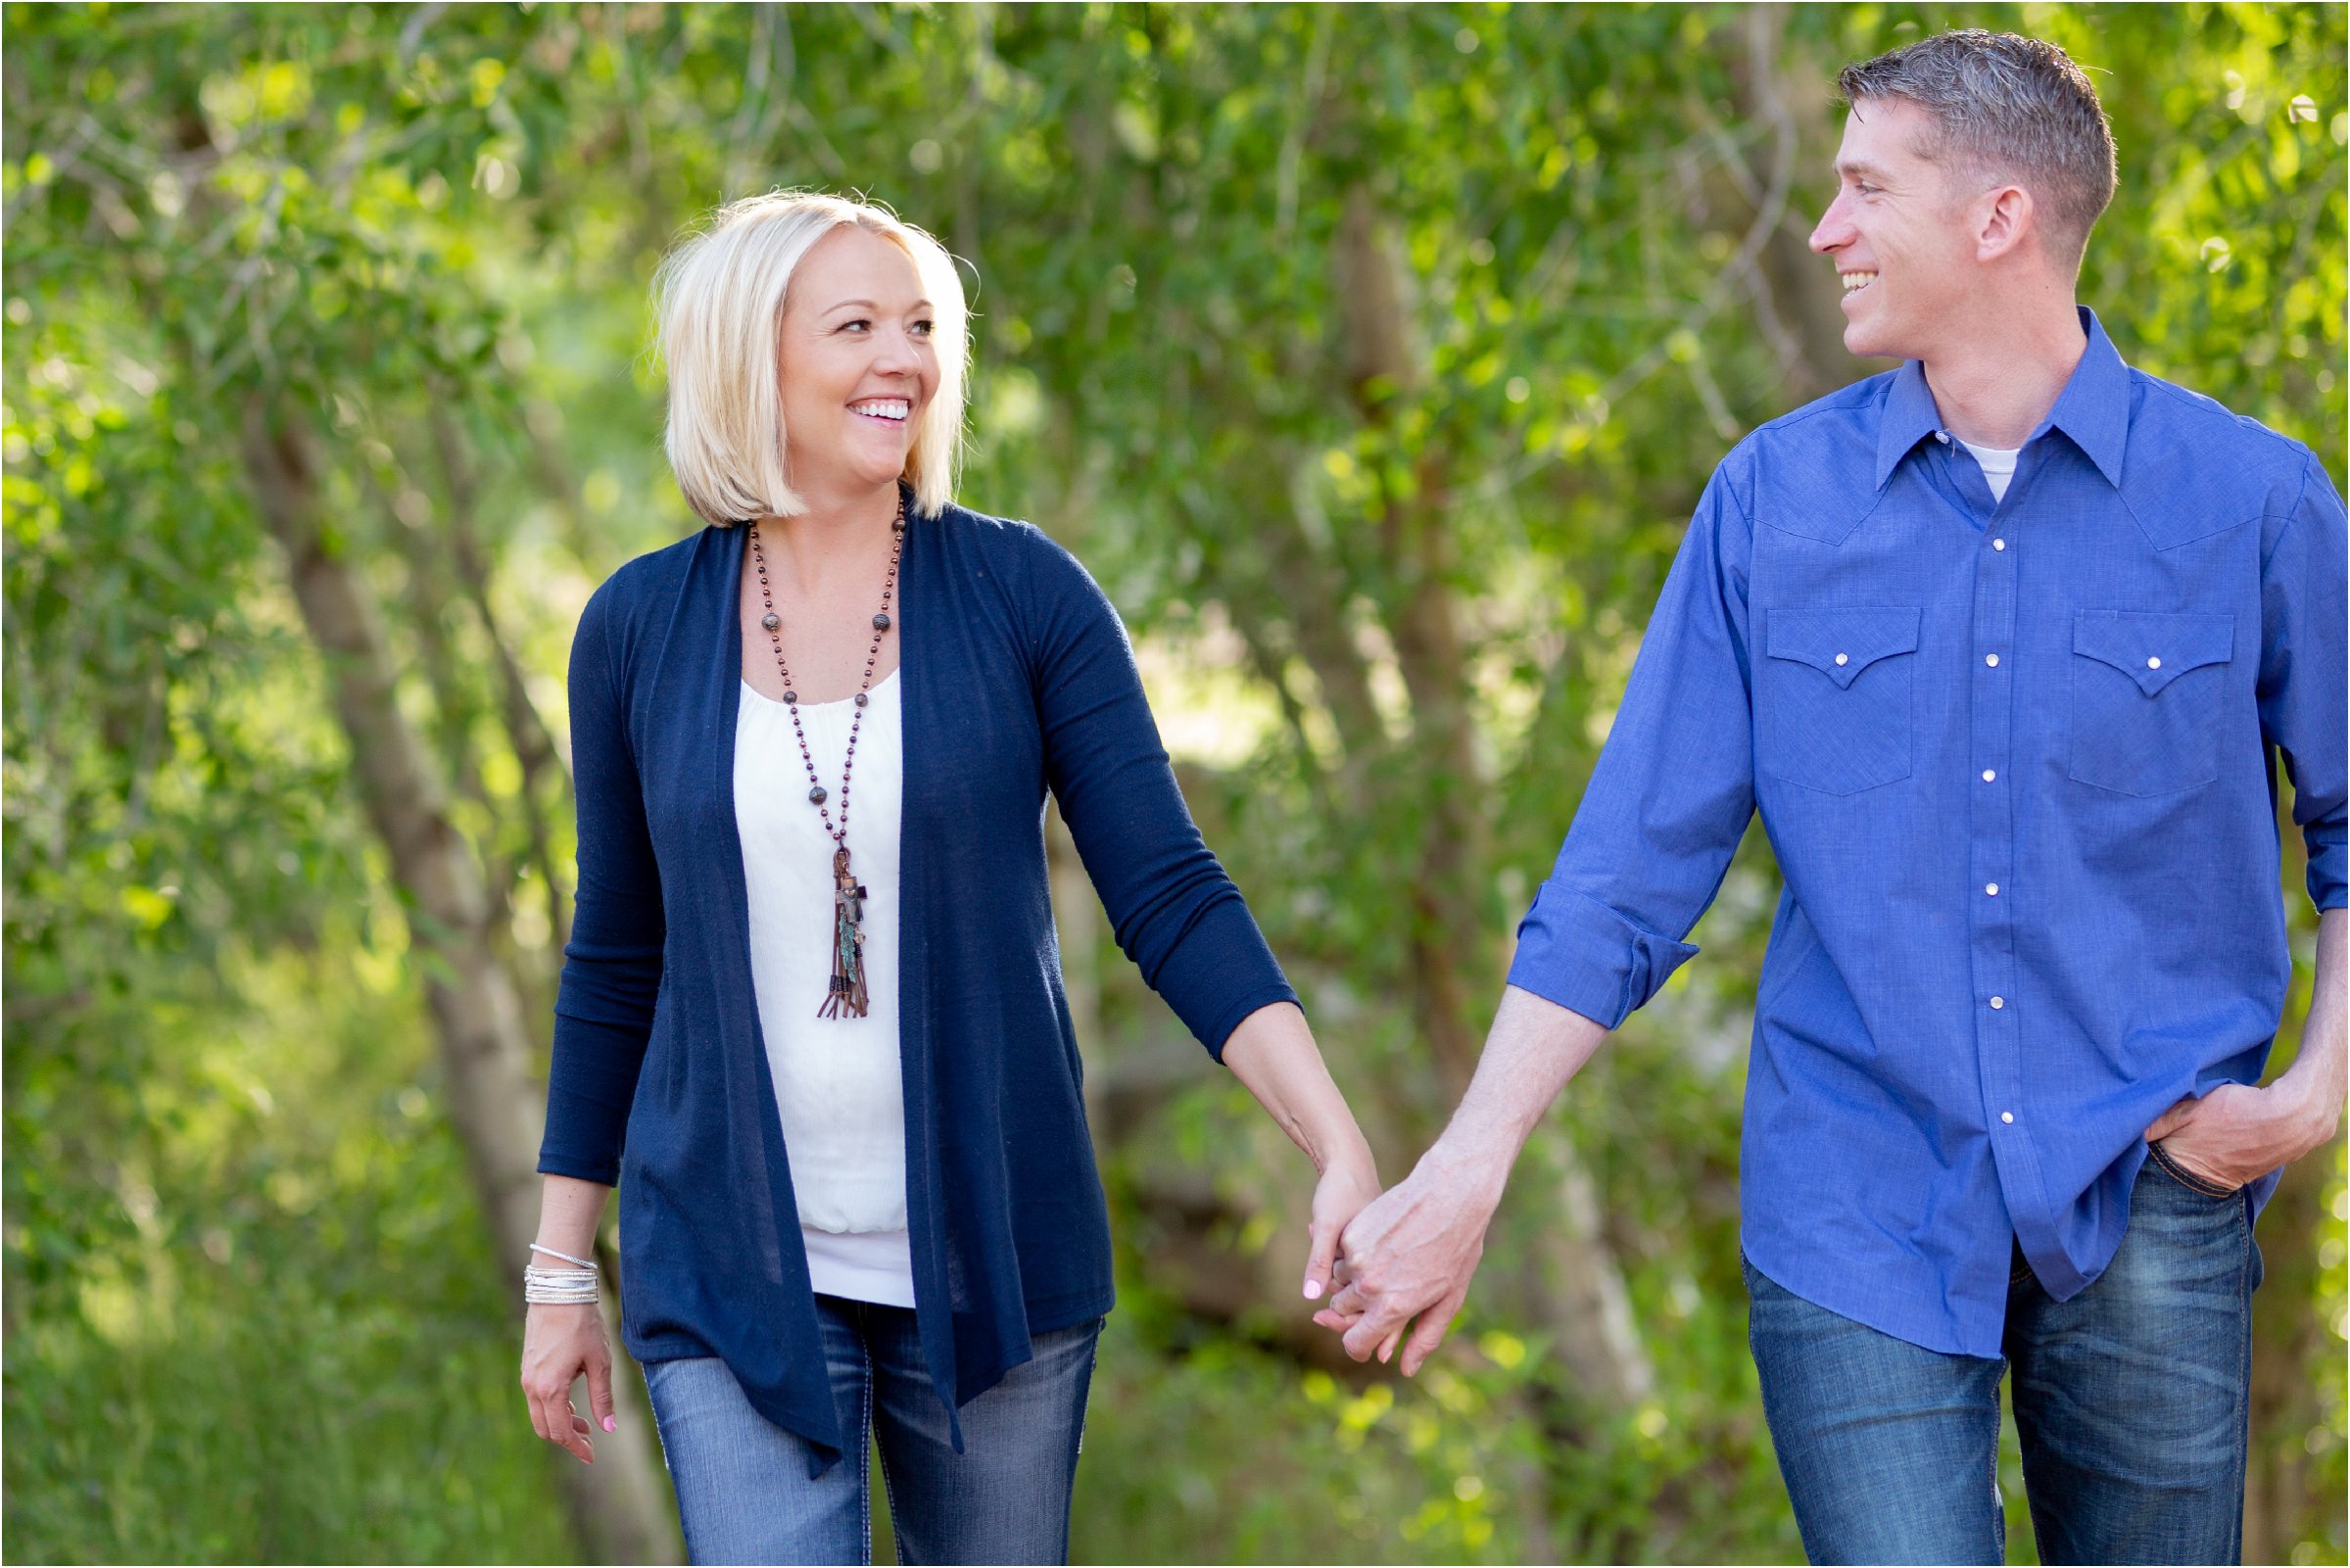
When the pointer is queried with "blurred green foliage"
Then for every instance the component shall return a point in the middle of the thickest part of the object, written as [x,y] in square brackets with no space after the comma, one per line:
[1388,574]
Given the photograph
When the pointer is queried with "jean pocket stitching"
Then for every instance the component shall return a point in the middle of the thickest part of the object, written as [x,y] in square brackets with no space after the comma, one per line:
[2186,1178]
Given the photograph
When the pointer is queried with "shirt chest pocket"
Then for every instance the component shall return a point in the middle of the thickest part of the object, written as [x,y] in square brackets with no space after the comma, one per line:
[1832,711]
[2148,691]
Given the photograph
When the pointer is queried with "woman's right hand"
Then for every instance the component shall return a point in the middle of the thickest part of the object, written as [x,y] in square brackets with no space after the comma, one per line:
[560,1345]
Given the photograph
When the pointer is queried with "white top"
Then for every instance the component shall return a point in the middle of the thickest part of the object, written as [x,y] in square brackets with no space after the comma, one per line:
[836,1084]
[1999,467]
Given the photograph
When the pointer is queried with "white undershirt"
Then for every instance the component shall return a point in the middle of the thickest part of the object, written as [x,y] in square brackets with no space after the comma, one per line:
[1999,467]
[836,1084]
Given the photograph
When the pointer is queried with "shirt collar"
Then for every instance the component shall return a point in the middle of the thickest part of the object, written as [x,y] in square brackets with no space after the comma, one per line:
[2094,410]
[1909,417]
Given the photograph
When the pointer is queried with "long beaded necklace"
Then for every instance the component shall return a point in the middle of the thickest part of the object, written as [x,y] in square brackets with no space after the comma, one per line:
[846,996]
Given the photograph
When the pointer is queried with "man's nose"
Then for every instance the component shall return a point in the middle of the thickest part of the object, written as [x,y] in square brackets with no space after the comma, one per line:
[1833,229]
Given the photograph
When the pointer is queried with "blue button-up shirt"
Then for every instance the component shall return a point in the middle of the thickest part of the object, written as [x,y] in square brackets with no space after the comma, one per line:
[2014,759]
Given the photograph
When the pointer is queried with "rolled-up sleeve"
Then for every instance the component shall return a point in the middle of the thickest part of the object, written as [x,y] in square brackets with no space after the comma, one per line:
[2303,700]
[612,963]
[1672,795]
[1174,910]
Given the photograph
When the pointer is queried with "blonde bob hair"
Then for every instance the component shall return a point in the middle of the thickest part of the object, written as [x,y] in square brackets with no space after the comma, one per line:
[718,300]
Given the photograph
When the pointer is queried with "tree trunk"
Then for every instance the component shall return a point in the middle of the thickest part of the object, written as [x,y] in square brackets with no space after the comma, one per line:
[544,772]
[1077,924]
[1783,85]
[619,1506]
[2288,1340]
[2291,1338]
[1572,1288]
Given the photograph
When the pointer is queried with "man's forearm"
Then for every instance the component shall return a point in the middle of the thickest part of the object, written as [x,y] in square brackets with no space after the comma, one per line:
[2317,1073]
[1535,1046]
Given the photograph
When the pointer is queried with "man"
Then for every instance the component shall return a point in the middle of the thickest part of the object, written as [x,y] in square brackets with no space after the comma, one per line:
[1999,644]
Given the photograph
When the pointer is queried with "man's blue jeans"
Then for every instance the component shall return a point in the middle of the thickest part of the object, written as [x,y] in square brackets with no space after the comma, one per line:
[2130,1401]
[743,1491]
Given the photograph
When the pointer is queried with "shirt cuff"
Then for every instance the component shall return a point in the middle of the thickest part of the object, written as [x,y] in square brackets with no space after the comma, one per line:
[2326,856]
[1219,972]
[584,1137]
[1590,958]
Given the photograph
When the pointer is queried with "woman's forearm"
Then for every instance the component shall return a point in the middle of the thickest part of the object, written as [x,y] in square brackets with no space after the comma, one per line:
[1273,1052]
[570,1212]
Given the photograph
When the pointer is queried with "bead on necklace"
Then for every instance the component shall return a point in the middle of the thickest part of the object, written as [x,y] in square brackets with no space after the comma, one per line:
[846,995]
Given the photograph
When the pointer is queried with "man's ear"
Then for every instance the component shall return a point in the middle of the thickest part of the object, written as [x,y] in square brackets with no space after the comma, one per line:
[2004,218]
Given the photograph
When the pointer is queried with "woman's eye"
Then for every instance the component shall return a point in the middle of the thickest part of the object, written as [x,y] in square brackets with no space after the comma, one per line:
[858,325]
[922,329]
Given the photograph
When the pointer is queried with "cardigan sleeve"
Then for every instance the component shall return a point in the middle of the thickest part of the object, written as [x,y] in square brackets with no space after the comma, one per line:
[612,963]
[1175,912]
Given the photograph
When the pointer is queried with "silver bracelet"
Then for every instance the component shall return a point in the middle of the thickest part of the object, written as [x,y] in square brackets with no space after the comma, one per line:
[559,1287]
[581,1262]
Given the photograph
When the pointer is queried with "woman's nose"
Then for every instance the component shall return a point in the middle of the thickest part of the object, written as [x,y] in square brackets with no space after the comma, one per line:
[897,353]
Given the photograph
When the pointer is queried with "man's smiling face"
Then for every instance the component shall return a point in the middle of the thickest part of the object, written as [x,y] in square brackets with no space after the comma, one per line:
[1896,231]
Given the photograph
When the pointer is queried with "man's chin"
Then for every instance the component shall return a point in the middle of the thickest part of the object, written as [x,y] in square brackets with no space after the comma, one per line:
[1863,343]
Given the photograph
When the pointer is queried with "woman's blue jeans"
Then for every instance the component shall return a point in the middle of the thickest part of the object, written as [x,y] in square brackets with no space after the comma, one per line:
[744,1495]
[2132,1402]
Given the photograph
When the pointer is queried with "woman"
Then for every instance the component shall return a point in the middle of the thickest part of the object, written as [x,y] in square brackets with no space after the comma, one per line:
[859,1197]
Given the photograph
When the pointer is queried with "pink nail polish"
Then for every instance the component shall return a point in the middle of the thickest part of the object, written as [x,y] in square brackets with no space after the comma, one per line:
[611,1425]
[1314,1290]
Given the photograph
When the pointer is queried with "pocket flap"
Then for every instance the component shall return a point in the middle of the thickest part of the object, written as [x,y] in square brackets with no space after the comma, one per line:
[2153,650]
[1840,644]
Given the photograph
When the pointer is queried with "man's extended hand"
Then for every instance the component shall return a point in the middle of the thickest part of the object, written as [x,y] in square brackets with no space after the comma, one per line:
[1410,1254]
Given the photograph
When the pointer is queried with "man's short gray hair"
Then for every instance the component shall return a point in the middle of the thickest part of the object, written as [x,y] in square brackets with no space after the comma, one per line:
[2006,107]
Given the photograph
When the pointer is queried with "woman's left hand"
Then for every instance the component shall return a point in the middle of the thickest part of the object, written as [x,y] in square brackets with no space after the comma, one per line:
[1346,1186]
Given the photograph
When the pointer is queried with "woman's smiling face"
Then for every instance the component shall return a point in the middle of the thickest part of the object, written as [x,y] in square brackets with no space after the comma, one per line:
[857,365]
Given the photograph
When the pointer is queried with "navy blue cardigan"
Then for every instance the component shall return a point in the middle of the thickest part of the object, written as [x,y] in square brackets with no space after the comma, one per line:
[1016,677]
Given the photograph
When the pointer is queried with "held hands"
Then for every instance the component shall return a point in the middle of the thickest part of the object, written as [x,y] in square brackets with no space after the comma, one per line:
[1405,1262]
[560,1342]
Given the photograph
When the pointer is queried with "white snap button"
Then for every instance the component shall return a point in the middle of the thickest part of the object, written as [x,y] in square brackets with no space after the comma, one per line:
[1997,1002]
[2154,664]
[1988,774]
[2007,1117]
[1998,543]
[1992,888]
[1843,658]
[1991,659]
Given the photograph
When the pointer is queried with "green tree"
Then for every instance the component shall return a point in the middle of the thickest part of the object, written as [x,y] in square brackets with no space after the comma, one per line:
[1372,357]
